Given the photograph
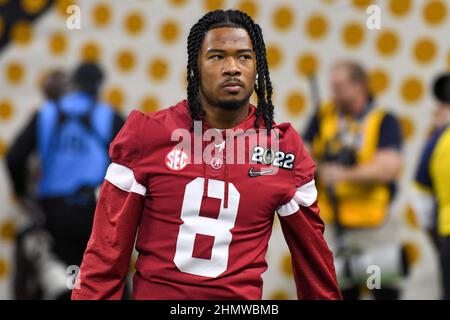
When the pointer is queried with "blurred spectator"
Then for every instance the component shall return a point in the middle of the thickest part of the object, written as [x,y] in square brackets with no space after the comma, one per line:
[36,267]
[357,146]
[431,193]
[55,84]
[71,134]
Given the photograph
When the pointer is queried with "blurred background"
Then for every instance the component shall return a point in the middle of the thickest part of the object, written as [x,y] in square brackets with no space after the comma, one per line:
[141,46]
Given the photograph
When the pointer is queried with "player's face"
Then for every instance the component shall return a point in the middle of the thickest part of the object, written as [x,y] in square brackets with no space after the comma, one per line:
[227,66]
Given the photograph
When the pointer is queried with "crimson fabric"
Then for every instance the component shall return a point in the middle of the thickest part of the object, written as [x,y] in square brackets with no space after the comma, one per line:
[155,220]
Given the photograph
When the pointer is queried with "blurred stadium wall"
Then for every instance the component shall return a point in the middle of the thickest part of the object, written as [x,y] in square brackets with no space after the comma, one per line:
[142,46]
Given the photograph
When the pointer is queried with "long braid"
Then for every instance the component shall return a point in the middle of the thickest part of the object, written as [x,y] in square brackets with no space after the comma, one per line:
[263,88]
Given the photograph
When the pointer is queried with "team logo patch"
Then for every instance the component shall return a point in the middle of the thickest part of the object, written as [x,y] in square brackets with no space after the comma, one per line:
[176,160]
[216,163]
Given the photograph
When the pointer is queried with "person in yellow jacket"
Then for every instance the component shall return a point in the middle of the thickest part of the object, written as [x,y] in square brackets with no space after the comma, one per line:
[431,194]
[358,147]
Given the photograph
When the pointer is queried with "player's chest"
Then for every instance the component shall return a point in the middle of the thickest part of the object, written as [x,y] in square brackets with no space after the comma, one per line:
[212,187]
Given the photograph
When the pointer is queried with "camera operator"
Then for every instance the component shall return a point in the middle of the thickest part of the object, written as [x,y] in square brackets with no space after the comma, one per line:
[358,148]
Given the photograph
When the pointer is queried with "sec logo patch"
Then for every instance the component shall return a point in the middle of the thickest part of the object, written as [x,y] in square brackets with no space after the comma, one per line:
[176,160]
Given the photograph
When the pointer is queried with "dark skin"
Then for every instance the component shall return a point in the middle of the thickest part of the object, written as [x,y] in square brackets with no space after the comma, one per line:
[227,66]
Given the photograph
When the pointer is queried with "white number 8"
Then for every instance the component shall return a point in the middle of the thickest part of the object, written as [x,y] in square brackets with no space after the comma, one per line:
[194,224]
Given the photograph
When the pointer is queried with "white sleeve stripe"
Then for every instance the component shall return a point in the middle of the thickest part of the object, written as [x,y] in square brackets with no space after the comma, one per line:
[305,196]
[288,208]
[123,178]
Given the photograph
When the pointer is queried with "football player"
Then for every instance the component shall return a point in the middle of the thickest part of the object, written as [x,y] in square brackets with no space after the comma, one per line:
[203,227]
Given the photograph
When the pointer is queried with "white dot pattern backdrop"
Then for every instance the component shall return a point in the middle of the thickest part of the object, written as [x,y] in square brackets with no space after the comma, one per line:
[142,46]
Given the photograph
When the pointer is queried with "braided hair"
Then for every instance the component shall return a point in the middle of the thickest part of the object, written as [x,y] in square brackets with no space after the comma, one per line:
[263,86]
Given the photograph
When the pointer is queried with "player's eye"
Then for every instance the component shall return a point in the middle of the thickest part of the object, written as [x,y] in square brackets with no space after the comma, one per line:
[245,57]
[216,57]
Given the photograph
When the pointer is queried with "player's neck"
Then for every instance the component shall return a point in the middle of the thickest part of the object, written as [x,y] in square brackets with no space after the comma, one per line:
[224,119]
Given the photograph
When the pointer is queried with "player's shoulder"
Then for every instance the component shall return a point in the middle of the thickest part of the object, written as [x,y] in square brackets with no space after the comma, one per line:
[288,135]
[161,121]
[173,117]
[304,166]
[136,125]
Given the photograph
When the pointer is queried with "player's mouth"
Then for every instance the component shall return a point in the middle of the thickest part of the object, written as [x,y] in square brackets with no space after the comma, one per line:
[233,86]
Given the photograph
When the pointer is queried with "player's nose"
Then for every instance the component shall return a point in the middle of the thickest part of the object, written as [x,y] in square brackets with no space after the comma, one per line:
[231,67]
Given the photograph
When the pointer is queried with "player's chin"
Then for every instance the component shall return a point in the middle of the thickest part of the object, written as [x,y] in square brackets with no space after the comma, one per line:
[232,102]
[241,96]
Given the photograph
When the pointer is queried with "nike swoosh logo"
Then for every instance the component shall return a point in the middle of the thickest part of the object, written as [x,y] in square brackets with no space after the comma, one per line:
[253,173]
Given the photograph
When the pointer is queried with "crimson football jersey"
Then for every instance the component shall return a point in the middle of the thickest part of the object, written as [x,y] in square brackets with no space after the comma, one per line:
[202,229]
